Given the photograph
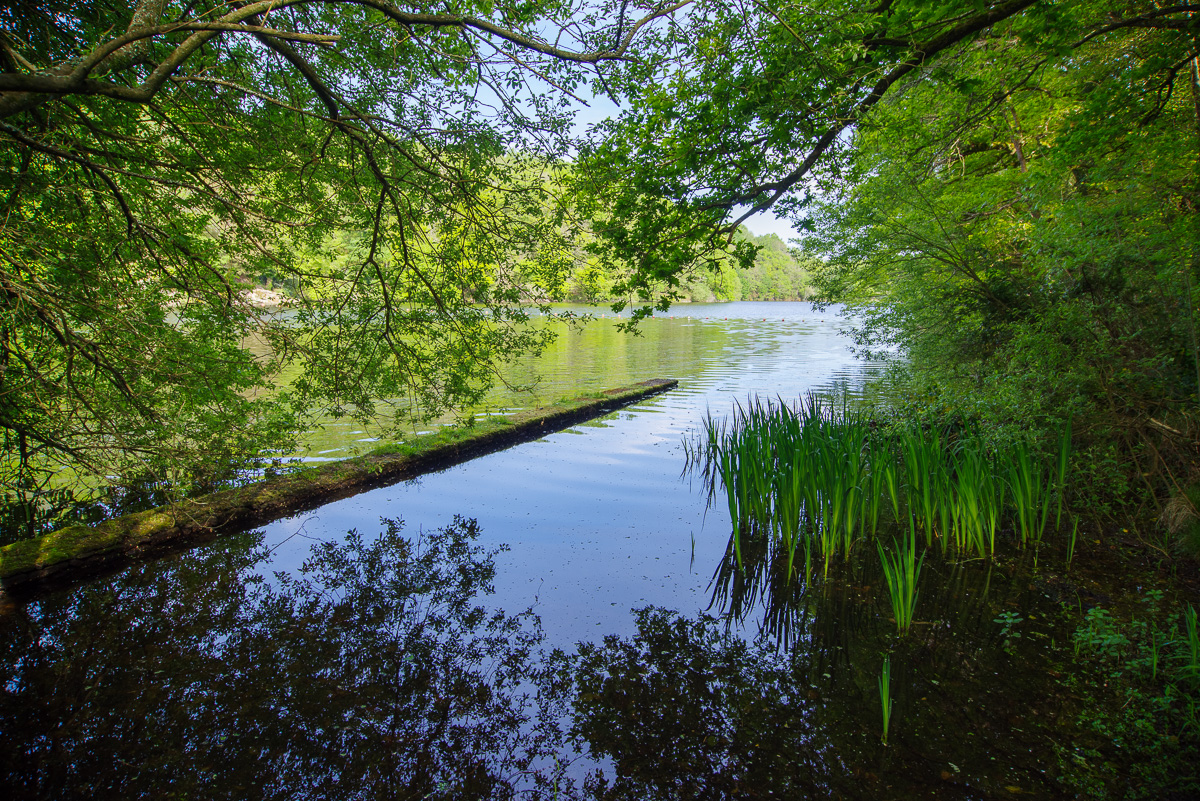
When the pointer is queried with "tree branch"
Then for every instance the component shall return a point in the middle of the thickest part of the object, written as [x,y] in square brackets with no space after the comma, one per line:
[23,91]
[920,53]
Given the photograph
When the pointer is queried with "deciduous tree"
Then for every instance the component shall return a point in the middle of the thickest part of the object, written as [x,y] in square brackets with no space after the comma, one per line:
[386,163]
[1005,193]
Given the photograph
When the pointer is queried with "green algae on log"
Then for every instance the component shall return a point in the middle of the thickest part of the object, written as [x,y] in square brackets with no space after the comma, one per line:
[79,551]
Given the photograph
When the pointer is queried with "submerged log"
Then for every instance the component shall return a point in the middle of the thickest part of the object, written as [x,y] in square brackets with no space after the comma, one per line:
[77,552]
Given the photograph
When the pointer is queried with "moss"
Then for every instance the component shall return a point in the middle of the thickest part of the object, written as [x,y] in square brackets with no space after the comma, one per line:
[393,448]
[151,524]
[29,560]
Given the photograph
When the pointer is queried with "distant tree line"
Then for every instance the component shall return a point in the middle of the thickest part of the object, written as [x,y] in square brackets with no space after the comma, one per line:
[777,273]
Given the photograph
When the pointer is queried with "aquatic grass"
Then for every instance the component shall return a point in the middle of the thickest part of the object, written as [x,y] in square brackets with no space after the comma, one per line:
[808,563]
[977,501]
[902,571]
[968,491]
[998,497]
[787,518]
[1071,542]
[828,542]
[891,482]
[921,452]
[826,478]
[878,466]
[729,477]
[885,695]
[1031,501]
[941,487]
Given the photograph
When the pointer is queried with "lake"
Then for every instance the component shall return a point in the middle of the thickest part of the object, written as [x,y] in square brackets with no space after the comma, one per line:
[539,622]
[598,517]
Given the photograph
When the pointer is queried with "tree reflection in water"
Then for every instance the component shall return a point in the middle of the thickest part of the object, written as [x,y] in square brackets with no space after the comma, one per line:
[686,710]
[370,674]
[778,697]
[375,672]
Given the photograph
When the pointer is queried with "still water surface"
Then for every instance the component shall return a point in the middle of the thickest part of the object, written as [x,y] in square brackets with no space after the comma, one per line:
[599,518]
[298,661]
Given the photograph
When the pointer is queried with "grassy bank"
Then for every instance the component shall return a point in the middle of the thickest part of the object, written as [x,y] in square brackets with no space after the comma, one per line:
[79,551]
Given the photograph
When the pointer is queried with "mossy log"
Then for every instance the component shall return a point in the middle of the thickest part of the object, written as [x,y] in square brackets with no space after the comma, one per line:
[76,552]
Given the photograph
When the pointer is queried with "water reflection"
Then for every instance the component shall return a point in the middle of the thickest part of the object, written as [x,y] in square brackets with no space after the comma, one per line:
[771,345]
[790,667]
[375,671]
[382,669]
[767,589]
[685,710]
[370,673]
[597,517]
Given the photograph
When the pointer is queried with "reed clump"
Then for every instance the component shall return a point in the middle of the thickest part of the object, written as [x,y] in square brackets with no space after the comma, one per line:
[902,570]
[815,480]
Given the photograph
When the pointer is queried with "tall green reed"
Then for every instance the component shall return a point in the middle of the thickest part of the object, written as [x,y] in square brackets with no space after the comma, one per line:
[902,571]
[818,479]
[885,695]
[1027,479]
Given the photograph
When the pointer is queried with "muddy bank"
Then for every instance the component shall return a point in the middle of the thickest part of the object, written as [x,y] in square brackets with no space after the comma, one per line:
[77,552]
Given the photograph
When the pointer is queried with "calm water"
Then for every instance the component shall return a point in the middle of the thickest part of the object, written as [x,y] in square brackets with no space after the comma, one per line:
[597,517]
[532,624]
[719,351]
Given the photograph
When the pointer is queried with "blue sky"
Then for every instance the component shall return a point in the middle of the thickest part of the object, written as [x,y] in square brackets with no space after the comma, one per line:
[768,223]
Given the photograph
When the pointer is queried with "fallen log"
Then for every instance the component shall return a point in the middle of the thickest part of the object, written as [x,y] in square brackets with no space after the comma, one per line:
[77,552]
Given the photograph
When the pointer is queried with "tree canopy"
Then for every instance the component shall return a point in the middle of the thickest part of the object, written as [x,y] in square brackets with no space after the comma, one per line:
[391,165]
[1004,193]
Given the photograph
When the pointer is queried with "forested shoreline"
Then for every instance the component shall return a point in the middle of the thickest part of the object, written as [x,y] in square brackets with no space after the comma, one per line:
[777,272]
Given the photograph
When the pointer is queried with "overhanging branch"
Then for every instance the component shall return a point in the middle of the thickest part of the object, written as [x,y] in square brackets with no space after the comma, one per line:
[23,91]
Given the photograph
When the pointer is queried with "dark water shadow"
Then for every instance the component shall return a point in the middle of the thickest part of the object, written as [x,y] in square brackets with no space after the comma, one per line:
[377,671]
[371,673]
[777,695]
